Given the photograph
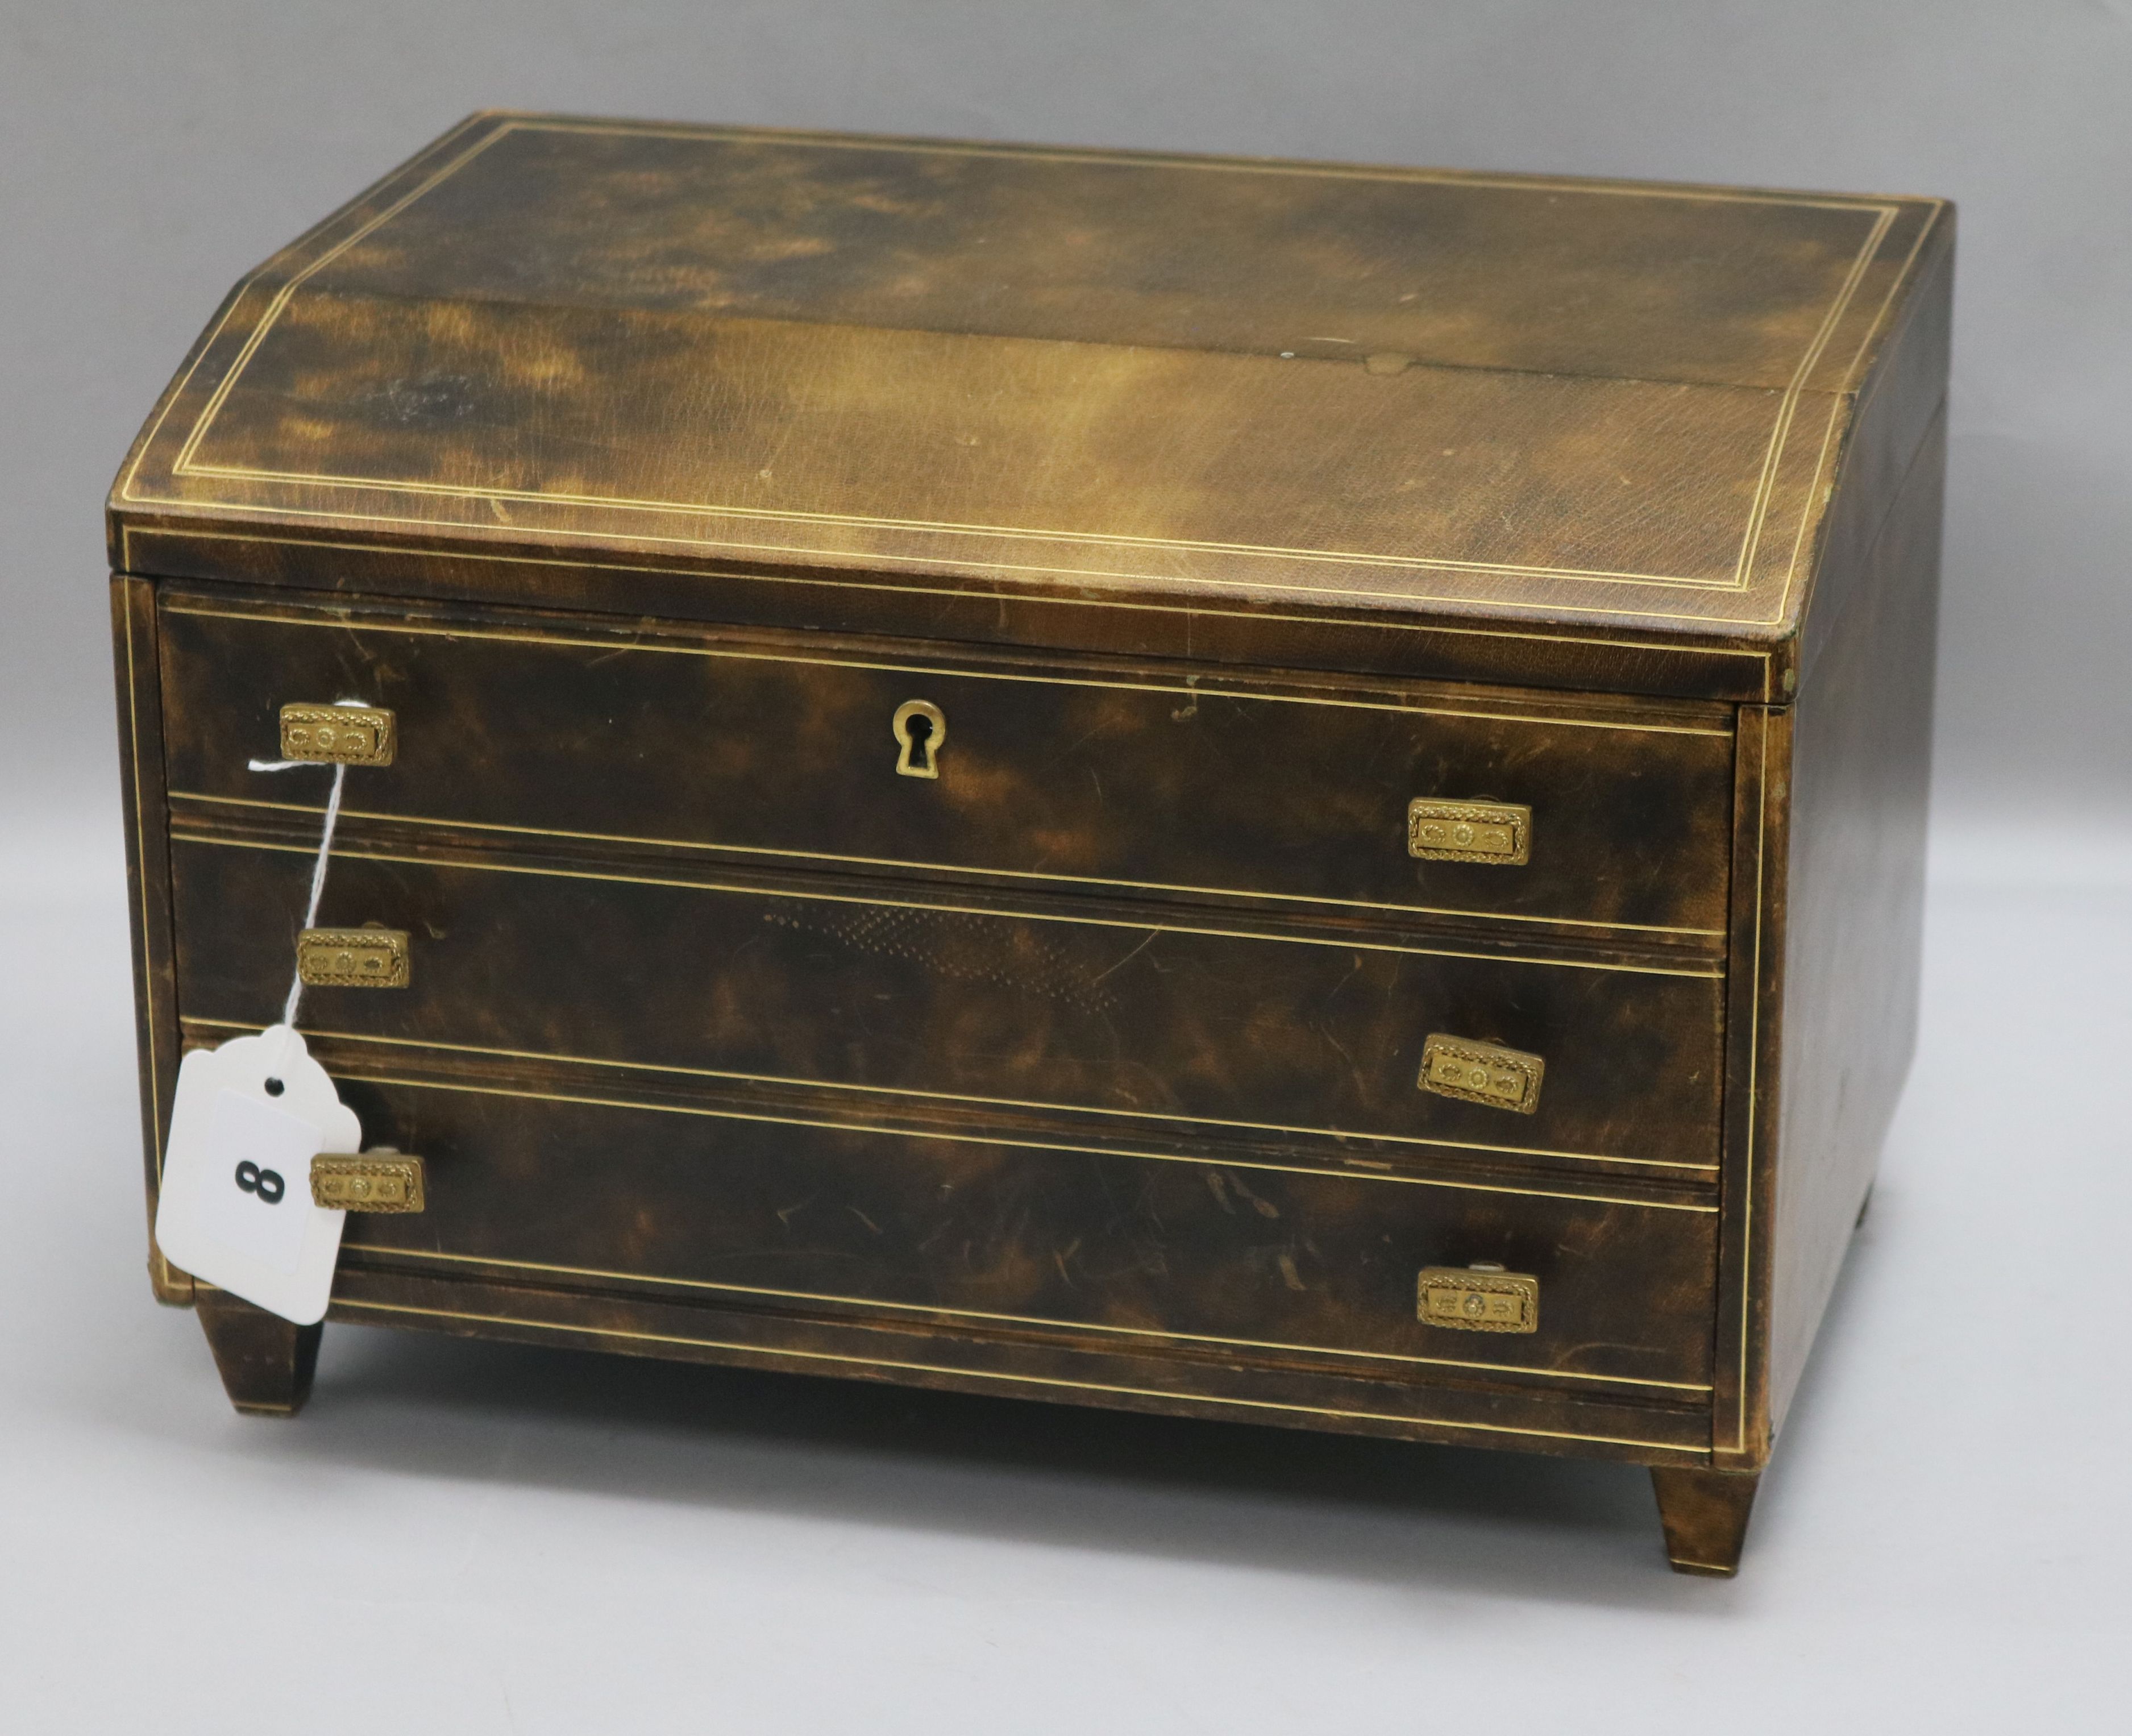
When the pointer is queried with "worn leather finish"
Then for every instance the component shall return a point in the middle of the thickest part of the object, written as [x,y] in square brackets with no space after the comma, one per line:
[1054,373]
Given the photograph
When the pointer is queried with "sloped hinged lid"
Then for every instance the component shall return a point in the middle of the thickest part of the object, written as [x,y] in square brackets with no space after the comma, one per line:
[1235,383]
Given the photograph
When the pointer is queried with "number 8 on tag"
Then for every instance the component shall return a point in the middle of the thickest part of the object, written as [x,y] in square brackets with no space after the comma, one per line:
[267,1184]
[247,1206]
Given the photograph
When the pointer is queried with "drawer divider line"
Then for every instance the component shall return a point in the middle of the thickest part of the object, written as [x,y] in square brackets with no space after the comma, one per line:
[1012,1379]
[384,1252]
[1032,1144]
[1005,1103]
[1197,690]
[944,868]
[1712,972]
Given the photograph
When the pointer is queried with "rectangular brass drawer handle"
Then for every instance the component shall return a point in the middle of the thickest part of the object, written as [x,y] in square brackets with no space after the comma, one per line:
[352,958]
[1486,1073]
[1496,832]
[1477,1298]
[338,735]
[377,1181]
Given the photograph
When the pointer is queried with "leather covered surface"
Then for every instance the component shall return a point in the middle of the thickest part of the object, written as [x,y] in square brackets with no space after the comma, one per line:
[1186,378]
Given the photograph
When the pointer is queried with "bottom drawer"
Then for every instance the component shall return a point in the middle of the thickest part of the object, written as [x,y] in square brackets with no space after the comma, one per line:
[1256,1262]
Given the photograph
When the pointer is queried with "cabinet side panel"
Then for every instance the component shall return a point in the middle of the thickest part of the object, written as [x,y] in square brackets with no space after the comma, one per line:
[148,890]
[1861,761]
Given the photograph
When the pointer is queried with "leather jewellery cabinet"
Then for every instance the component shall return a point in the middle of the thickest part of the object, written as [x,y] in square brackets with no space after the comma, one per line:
[1251,789]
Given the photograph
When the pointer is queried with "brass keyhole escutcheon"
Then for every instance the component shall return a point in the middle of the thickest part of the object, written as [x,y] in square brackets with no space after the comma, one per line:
[920,729]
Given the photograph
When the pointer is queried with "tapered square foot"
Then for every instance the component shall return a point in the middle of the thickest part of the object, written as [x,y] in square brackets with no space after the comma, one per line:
[1705,1516]
[265,1362]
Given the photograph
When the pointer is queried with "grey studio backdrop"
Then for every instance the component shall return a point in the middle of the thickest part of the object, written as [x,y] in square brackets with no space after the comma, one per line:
[483,1538]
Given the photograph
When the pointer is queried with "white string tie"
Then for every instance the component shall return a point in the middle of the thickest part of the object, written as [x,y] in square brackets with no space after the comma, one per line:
[319,868]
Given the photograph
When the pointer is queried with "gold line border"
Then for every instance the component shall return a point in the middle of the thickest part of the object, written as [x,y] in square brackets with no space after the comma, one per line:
[1754,1088]
[874,560]
[942,528]
[1926,229]
[436,1046]
[1034,1380]
[389,1251]
[1779,435]
[1713,972]
[944,868]
[1184,610]
[179,387]
[184,463]
[312,617]
[1886,211]
[282,296]
[1839,397]
[1028,1143]
[140,852]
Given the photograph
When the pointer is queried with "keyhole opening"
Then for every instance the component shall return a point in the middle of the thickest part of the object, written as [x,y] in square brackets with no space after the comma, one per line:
[920,729]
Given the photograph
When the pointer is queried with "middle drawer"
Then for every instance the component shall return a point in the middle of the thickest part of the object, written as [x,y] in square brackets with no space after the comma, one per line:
[1273,1034]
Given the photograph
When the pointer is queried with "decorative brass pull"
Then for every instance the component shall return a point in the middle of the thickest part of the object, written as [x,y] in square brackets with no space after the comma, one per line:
[1477,1298]
[352,958]
[338,735]
[1503,1078]
[377,1181]
[1496,832]
[920,729]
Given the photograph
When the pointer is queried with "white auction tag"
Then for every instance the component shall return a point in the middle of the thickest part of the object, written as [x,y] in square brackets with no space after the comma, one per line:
[235,1208]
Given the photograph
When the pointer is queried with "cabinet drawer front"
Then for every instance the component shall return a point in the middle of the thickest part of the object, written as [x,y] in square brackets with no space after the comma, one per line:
[1143,783]
[1259,1262]
[1186,1024]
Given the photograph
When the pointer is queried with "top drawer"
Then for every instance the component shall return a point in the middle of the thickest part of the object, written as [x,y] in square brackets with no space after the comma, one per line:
[1139,781]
